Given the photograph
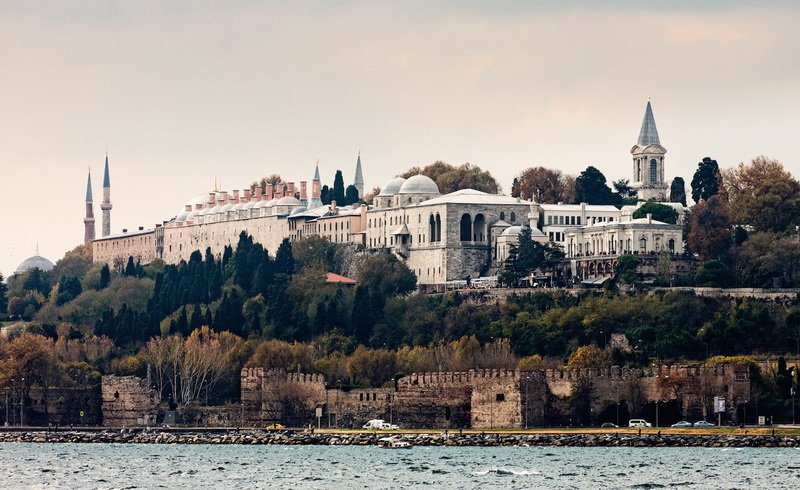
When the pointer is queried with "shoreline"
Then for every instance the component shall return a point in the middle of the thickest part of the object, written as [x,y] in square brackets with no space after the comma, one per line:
[439,438]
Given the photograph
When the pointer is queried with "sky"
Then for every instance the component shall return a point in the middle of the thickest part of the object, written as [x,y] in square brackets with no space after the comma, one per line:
[185,92]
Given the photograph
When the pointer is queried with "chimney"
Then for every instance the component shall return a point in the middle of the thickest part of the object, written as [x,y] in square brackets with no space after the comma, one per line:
[270,192]
[290,189]
[303,190]
[246,196]
[279,190]
[198,207]
[236,196]
[259,193]
[649,219]
[212,198]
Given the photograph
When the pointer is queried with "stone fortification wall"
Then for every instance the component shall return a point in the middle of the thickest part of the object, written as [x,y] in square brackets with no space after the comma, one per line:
[65,406]
[495,398]
[128,401]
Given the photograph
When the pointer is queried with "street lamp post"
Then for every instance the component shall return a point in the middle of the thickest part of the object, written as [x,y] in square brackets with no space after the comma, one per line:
[657,401]
[22,402]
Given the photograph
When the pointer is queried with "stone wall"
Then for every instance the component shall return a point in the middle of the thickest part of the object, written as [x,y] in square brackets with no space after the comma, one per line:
[128,401]
[429,400]
[64,406]
[495,400]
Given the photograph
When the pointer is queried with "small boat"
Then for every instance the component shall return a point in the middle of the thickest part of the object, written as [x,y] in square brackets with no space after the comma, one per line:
[393,442]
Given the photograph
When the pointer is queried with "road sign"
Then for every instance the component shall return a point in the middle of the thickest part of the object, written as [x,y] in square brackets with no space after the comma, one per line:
[719,404]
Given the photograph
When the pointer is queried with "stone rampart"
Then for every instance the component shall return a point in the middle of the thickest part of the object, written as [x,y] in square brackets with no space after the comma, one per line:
[128,401]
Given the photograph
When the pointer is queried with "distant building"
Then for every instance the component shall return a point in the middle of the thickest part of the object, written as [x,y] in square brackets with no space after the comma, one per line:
[648,161]
[34,262]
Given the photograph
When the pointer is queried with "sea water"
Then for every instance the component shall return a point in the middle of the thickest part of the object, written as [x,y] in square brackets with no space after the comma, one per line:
[237,466]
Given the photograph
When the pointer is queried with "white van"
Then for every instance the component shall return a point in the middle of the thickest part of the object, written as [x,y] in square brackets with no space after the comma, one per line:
[375,424]
[639,423]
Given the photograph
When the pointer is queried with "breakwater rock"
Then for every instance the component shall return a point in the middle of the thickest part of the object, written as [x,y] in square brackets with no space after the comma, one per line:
[150,436]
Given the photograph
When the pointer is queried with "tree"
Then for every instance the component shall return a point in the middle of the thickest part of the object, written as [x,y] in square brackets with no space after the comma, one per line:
[450,178]
[3,297]
[713,273]
[706,180]
[105,277]
[626,268]
[677,191]
[587,356]
[767,260]
[370,196]
[325,195]
[659,212]
[709,228]
[762,194]
[338,189]
[351,195]
[130,268]
[69,287]
[591,188]
[624,189]
[543,185]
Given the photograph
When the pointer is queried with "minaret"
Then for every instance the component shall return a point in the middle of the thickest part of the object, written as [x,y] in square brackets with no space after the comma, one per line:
[88,221]
[316,190]
[106,205]
[358,182]
[648,161]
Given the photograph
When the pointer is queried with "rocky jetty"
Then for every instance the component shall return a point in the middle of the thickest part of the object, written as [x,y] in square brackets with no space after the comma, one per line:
[150,436]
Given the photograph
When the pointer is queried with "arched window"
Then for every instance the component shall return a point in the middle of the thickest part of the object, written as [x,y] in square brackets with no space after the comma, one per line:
[479,228]
[502,215]
[438,228]
[466,228]
[513,216]
[643,244]
[432,229]
[653,171]
[671,245]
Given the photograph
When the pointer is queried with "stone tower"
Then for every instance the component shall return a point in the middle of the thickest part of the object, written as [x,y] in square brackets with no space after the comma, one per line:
[358,182]
[648,161]
[106,204]
[88,221]
[316,190]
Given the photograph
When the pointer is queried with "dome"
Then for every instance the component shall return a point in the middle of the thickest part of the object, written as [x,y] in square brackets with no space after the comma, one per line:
[225,208]
[250,205]
[512,231]
[182,216]
[297,210]
[391,187]
[288,201]
[419,184]
[35,262]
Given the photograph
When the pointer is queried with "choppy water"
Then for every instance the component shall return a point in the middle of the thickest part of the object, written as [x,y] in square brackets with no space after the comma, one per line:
[193,466]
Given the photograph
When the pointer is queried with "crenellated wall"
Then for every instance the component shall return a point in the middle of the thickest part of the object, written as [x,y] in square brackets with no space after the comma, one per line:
[128,401]
[493,398]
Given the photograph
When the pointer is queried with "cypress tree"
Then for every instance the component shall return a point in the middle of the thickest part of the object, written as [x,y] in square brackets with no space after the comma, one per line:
[338,189]
[105,277]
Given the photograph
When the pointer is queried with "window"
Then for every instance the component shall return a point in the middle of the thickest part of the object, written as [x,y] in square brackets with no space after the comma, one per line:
[643,244]
[500,397]
[502,215]
[671,245]
[653,171]
[549,220]
[513,216]
[579,220]
[466,228]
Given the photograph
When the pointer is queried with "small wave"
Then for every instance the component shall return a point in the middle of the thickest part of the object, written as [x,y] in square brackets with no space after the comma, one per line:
[502,471]
[648,485]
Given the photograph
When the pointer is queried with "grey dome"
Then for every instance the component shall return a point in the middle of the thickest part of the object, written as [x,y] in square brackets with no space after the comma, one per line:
[35,262]
[298,210]
[419,184]
[512,231]
[288,201]
[391,187]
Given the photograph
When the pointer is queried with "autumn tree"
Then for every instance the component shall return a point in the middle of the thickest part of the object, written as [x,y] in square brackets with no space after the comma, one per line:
[370,196]
[450,178]
[762,194]
[709,228]
[588,356]
[543,185]
[706,180]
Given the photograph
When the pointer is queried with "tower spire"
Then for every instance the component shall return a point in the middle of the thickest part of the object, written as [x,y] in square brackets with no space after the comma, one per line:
[648,135]
[88,220]
[106,204]
[358,182]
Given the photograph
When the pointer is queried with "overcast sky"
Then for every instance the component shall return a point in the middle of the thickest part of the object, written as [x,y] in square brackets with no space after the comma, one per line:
[179,93]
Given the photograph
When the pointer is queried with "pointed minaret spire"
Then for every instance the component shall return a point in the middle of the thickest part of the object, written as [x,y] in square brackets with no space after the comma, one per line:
[316,171]
[316,190]
[88,221]
[358,182]
[648,134]
[106,204]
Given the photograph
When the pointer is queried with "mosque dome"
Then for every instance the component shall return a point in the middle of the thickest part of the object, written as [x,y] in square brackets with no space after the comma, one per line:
[419,184]
[35,262]
[512,231]
[391,187]
[298,210]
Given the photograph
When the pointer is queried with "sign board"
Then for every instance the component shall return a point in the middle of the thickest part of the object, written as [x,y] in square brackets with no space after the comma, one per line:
[719,404]
[762,420]
[319,412]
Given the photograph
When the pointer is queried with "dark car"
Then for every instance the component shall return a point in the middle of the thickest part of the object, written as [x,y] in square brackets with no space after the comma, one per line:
[703,423]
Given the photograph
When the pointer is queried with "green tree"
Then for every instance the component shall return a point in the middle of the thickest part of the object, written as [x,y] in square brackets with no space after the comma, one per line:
[591,188]
[706,180]
[69,287]
[325,195]
[626,268]
[677,191]
[713,273]
[338,189]
[105,277]
[351,195]
[659,212]
[130,268]
[35,280]
[450,178]
[624,189]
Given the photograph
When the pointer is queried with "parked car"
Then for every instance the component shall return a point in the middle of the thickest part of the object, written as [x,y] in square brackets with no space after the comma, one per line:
[682,424]
[374,424]
[703,423]
[608,425]
[639,423]
[388,426]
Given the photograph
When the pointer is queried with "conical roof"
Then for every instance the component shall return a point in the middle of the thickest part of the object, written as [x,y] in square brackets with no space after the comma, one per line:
[89,187]
[648,134]
[359,180]
[106,179]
